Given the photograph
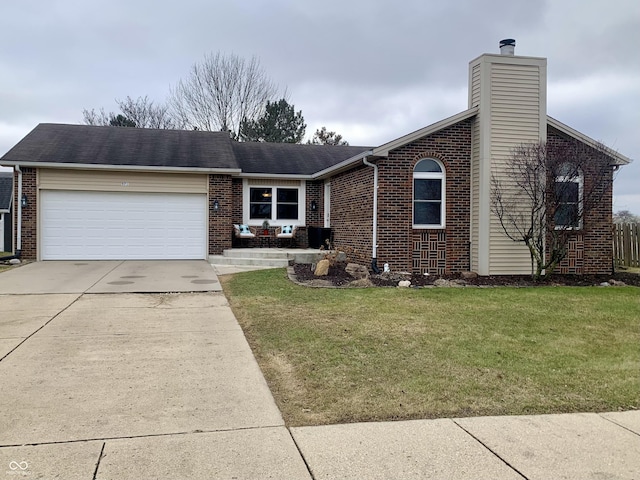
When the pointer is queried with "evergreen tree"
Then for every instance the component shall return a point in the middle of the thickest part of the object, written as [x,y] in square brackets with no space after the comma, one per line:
[280,123]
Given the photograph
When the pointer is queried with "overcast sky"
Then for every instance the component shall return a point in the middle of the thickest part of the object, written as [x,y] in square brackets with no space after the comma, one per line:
[371,70]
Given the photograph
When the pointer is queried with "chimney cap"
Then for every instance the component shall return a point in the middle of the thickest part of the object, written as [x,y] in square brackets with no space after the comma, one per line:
[507,46]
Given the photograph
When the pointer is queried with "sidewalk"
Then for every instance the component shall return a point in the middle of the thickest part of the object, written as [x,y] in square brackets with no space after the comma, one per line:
[164,386]
[569,446]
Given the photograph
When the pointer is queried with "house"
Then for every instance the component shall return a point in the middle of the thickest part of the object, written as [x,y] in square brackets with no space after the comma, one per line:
[124,193]
[6,203]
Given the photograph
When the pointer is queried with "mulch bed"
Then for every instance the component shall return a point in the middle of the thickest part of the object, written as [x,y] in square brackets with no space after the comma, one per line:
[337,277]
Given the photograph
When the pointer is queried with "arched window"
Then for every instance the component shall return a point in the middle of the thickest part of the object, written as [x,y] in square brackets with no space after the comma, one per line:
[428,194]
[568,197]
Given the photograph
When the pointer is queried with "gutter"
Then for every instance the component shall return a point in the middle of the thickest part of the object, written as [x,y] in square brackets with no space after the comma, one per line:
[374,252]
[123,168]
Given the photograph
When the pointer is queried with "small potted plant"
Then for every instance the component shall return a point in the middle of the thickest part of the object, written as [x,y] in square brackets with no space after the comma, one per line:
[265,227]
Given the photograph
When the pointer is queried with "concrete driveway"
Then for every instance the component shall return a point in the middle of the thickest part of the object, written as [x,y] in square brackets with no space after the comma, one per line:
[160,384]
[164,385]
[111,276]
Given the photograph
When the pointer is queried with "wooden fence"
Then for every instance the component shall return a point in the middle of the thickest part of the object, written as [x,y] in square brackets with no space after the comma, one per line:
[626,244]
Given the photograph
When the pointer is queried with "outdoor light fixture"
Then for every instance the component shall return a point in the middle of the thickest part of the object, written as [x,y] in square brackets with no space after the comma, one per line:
[314,206]
[24,201]
[216,205]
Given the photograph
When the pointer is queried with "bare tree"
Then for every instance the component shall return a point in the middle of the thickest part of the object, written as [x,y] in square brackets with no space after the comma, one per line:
[91,117]
[625,216]
[147,114]
[140,113]
[323,137]
[546,194]
[221,92]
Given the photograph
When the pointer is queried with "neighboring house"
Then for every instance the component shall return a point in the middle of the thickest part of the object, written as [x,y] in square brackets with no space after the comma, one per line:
[127,193]
[6,202]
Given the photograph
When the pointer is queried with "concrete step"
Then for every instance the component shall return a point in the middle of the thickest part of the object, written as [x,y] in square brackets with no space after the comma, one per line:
[261,262]
[273,257]
[256,253]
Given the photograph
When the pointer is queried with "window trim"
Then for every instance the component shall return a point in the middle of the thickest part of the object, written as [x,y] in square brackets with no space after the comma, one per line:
[273,221]
[442,176]
[579,179]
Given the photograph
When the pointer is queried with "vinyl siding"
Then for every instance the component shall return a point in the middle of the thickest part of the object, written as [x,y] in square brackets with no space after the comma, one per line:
[121,181]
[475,194]
[515,117]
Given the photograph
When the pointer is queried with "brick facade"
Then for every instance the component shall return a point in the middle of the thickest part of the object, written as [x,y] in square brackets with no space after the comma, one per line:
[352,211]
[434,251]
[590,249]
[221,188]
[29,247]
[415,250]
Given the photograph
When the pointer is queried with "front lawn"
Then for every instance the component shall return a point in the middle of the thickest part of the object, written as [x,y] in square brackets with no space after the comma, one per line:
[348,355]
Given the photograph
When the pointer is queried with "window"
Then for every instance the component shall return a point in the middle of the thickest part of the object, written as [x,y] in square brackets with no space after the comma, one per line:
[274,204]
[287,206]
[260,203]
[428,194]
[568,195]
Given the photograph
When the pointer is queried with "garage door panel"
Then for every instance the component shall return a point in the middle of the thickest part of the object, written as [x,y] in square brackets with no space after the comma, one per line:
[79,225]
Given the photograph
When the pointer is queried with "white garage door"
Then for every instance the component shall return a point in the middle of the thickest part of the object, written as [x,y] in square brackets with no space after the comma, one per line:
[121,226]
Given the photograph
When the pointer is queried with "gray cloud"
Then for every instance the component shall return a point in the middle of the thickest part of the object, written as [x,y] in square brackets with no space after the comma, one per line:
[370,70]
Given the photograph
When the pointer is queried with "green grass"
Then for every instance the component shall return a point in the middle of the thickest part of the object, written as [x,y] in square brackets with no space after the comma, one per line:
[5,267]
[346,355]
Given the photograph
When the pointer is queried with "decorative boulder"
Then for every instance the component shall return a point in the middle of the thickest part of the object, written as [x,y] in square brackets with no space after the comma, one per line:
[322,269]
[357,271]
[404,283]
[469,275]
[341,257]
[14,261]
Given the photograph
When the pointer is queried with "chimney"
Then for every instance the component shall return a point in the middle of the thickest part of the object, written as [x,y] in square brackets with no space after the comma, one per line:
[507,47]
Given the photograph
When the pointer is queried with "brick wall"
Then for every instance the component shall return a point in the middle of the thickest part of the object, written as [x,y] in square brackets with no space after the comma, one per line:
[351,211]
[590,249]
[315,192]
[436,251]
[236,207]
[431,251]
[29,221]
[221,188]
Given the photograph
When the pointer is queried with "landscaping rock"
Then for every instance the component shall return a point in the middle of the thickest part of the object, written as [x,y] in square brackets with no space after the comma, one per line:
[361,283]
[322,269]
[617,283]
[341,257]
[468,275]
[441,282]
[404,283]
[357,271]
[14,261]
[605,284]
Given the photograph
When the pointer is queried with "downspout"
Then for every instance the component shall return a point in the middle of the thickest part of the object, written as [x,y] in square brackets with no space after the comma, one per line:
[19,218]
[374,253]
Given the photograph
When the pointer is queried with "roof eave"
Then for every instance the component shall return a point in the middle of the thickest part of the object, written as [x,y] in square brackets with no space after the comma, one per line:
[383,150]
[342,166]
[618,157]
[141,168]
[285,176]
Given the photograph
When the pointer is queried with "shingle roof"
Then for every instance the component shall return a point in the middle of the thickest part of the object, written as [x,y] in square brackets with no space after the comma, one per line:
[122,146]
[290,158]
[6,190]
[140,147]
